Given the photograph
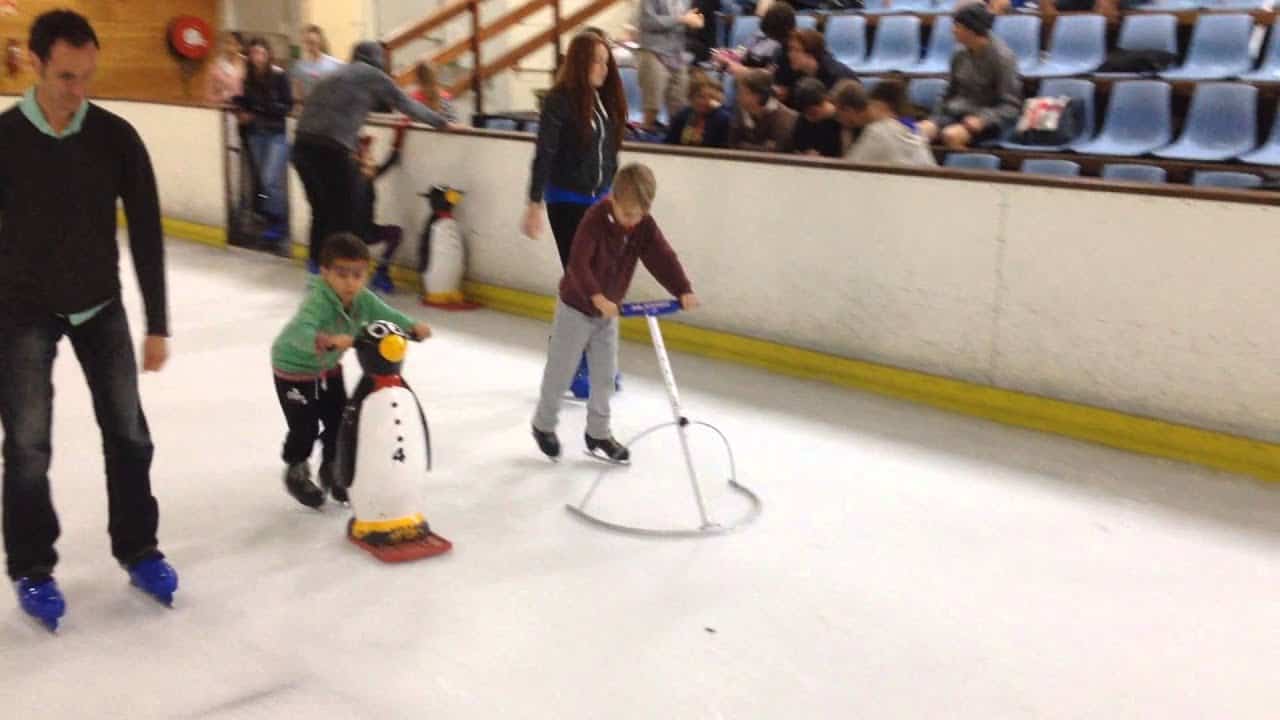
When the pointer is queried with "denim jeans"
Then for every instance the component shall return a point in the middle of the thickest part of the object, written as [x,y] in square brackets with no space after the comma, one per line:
[105,351]
[271,158]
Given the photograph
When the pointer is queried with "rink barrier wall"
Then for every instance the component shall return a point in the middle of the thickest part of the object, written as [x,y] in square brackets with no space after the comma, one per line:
[1151,303]
[1142,435]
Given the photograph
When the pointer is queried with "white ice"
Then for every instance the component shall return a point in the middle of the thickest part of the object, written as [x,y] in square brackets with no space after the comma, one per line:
[908,564]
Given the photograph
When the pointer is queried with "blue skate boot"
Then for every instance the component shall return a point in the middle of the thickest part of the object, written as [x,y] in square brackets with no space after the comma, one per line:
[581,385]
[155,577]
[40,598]
[382,280]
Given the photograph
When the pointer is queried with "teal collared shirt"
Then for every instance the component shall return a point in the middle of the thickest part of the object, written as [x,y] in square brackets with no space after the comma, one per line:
[31,109]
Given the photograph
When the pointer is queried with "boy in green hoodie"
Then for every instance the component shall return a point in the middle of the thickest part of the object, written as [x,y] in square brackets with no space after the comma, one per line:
[306,360]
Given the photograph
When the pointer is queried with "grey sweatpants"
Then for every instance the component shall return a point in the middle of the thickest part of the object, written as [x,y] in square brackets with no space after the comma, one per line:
[571,332]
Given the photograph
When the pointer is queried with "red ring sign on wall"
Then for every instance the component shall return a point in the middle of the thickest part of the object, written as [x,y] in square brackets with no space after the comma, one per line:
[190,37]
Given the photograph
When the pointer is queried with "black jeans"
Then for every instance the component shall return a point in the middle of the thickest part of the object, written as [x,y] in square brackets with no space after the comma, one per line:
[329,177]
[307,405]
[105,351]
[565,218]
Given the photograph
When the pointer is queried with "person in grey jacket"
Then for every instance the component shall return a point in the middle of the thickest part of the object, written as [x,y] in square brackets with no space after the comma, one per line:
[984,94]
[325,143]
[662,69]
[884,138]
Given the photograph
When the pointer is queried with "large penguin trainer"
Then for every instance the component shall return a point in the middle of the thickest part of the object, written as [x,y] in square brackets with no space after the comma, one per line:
[442,253]
[384,452]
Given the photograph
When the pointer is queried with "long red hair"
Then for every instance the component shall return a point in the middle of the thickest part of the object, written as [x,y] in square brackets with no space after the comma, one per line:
[574,80]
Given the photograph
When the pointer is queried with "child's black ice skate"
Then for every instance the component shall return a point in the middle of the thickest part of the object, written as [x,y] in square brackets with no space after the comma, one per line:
[548,443]
[297,480]
[608,449]
[329,483]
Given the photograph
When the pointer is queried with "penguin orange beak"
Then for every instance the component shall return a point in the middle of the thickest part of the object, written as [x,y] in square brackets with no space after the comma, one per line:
[393,348]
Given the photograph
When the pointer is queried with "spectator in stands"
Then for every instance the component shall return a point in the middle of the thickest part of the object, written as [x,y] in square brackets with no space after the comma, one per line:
[700,41]
[884,139]
[325,142]
[663,69]
[817,130]
[766,48]
[262,109]
[984,93]
[705,122]
[808,58]
[315,63]
[760,122]
[579,133]
[226,78]
[429,93]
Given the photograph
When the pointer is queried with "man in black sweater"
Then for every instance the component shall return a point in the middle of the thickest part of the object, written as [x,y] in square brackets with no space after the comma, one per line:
[63,164]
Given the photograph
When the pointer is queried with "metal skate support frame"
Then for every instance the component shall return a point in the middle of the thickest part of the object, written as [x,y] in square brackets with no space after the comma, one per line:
[651,311]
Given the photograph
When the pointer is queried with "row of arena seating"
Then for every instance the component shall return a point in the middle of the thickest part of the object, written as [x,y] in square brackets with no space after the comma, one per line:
[1221,124]
[1220,46]
[1122,172]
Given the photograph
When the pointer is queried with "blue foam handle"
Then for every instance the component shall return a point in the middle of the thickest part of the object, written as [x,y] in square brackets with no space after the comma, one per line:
[649,307]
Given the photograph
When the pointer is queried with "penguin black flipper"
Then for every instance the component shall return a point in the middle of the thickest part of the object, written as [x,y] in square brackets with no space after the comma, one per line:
[349,434]
[426,431]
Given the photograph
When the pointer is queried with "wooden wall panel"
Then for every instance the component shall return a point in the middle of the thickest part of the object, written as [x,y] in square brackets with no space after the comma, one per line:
[136,63]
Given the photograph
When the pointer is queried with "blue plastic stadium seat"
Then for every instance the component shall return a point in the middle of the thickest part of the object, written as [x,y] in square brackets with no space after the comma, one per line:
[1078,47]
[1222,123]
[1146,32]
[847,38]
[1022,34]
[942,45]
[1125,172]
[1219,178]
[1219,49]
[972,161]
[1269,153]
[1269,69]
[1139,119]
[925,93]
[896,47]
[1050,166]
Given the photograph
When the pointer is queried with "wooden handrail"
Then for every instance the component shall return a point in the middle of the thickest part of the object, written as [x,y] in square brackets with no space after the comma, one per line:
[474,80]
[409,32]
[533,44]
[458,49]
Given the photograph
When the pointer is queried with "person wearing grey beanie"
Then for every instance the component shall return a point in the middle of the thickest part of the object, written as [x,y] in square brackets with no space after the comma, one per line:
[984,92]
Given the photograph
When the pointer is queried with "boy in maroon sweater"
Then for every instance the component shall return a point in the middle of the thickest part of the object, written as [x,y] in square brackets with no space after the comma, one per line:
[613,236]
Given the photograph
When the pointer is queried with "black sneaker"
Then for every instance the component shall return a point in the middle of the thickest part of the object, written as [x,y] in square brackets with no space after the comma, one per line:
[608,449]
[548,443]
[297,480]
[329,483]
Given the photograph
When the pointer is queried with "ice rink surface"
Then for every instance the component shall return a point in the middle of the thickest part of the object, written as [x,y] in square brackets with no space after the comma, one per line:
[908,563]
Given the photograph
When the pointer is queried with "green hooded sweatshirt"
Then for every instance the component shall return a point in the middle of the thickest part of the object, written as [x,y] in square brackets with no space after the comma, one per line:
[294,350]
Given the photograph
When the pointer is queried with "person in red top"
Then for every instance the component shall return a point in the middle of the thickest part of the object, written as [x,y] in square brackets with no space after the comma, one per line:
[612,238]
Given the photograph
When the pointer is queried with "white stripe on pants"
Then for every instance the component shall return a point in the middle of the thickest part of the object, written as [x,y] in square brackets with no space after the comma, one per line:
[571,332]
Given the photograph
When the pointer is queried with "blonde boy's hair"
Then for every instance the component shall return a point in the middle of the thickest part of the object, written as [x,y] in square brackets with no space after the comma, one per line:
[635,183]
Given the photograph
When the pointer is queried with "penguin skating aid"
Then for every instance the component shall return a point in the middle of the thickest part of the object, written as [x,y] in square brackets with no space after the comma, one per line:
[384,451]
[650,311]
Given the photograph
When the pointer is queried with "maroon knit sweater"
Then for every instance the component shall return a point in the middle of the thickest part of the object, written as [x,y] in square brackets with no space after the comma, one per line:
[604,257]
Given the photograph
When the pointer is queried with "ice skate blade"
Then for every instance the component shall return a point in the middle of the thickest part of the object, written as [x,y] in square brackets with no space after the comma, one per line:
[606,459]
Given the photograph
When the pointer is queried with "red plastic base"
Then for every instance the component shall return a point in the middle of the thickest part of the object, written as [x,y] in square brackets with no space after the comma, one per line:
[429,546]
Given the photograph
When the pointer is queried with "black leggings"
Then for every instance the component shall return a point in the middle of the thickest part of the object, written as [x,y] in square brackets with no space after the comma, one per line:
[329,176]
[307,406]
[565,218]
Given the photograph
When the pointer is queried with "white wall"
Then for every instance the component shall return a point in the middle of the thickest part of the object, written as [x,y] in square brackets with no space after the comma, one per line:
[1156,306]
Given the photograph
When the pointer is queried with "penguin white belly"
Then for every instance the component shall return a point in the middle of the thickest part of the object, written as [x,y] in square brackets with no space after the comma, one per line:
[391,457]
[443,277]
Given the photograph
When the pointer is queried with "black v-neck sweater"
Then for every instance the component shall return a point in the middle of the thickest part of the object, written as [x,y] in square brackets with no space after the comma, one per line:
[58,248]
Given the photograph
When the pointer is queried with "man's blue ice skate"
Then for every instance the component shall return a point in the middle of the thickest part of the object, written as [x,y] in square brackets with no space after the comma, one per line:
[155,577]
[41,599]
